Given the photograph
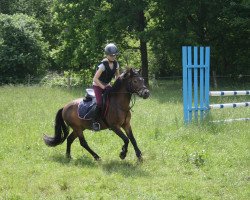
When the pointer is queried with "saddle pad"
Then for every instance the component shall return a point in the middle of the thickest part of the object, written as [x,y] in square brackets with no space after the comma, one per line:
[86,109]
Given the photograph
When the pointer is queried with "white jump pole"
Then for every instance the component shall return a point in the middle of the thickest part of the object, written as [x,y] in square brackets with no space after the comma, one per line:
[229,93]
[231,120]
[229,105]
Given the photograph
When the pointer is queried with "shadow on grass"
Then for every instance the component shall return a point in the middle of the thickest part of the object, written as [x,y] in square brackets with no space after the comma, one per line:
[82,161]
[125,168]
[85,161]
[60,159]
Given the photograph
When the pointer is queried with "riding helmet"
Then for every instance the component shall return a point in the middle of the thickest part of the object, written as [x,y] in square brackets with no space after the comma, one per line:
[111,49]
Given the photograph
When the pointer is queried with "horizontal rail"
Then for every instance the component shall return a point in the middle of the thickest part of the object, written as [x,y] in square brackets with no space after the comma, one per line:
[229,105]
[229,93]
[196,66]
[231,120]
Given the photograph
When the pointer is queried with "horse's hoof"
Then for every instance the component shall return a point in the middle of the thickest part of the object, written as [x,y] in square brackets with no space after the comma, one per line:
[68,156]
[140,159]
[139,154]
[98,159]
[122,155]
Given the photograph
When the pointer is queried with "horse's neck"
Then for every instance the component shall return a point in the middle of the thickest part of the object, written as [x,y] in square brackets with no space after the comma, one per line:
[122,98]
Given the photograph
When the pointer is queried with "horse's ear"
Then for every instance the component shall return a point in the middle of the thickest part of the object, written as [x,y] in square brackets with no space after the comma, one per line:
[126,74]
[140,71]
[131,72]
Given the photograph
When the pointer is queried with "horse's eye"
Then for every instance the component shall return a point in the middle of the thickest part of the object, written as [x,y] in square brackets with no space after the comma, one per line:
[135,81]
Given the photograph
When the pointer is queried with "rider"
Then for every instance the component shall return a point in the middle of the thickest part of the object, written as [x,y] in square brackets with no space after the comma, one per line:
[107,69]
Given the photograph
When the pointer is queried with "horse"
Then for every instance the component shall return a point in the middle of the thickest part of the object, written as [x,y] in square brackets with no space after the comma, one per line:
[117,116]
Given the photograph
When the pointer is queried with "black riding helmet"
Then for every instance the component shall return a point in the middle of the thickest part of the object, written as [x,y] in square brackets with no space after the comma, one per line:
[111,49]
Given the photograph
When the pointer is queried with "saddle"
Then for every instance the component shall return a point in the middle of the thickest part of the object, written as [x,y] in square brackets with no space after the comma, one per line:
[87,106]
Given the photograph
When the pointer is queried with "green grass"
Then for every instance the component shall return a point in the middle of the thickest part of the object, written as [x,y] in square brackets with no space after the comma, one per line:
[204,161]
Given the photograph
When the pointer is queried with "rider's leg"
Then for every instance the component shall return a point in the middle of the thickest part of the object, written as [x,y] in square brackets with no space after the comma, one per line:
[98,94]
[96,119]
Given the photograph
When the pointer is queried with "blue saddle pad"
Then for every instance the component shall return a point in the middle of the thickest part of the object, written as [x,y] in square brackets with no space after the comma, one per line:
[86,109]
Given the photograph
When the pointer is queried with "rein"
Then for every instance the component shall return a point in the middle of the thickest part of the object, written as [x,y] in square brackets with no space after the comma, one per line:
[133,100]
[133,103]
[131,91]
[124,85]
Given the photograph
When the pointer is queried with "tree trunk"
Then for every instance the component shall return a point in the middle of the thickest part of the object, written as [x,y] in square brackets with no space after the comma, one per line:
[144,61]
[143,47]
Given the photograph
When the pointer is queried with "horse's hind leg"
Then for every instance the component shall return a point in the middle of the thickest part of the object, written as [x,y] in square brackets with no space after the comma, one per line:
[70,140]
[85,145]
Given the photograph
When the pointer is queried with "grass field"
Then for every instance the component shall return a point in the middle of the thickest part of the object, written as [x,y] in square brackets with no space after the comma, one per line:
[205,161]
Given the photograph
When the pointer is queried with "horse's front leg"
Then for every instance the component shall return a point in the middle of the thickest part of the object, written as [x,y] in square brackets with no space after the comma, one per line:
[131,137]
[125,140]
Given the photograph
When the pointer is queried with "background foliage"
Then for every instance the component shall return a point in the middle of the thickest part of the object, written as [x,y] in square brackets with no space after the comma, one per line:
[22,48]
[71,35]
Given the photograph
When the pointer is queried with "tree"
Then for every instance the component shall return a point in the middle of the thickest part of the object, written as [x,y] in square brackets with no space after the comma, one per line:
[22,47]
[39,10]
[77,31]
[222,25]
[76,45]
[88,25]
[131,22]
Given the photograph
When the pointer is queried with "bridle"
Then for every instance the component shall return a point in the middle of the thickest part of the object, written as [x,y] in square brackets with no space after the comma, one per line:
[132,90]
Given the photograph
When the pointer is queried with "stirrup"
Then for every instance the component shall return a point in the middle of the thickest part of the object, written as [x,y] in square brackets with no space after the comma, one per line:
[96,126]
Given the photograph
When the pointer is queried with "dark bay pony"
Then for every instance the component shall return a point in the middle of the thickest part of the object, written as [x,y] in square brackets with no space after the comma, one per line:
[117,117]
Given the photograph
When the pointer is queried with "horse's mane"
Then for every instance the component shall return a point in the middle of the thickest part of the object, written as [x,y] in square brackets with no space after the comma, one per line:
[118,82]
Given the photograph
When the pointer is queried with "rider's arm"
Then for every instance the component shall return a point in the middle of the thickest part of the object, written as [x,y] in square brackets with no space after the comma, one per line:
[96,78]
[117,73]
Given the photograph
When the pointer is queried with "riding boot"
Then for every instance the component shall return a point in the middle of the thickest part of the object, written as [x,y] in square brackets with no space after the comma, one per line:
[95,124]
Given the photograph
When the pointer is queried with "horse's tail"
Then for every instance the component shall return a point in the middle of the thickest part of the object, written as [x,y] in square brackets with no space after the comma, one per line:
[61,131]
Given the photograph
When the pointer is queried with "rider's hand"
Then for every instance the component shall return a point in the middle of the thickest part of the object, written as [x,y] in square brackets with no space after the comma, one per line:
[108,88]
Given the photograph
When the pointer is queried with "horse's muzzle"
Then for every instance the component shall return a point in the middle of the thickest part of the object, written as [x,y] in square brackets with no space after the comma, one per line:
[144,93]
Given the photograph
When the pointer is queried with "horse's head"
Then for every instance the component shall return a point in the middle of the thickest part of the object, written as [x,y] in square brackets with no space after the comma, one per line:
[136,83]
